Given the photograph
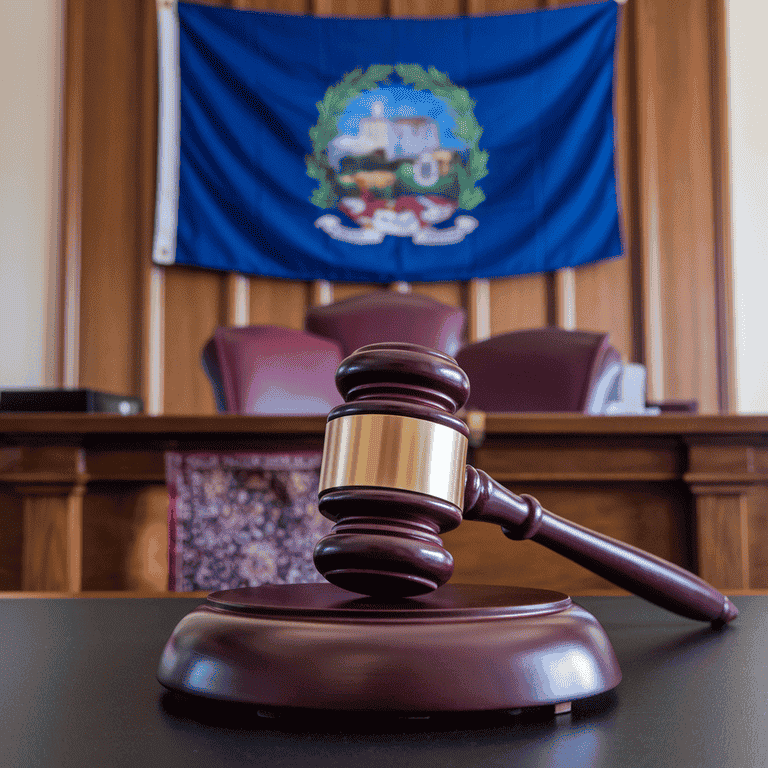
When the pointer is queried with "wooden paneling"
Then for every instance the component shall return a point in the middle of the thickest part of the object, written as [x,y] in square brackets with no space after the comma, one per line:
[125,538]
[195,304]
[519,302]
[110,293]
[723,238]
[579,460]
[138,329]
[757,532]
[278,302]
[151,277]
[596,307]
[68,363]
[722,516]
[693,489]
[147,555]
[676,198]
[52,553]
[343,291]
[603,302]
[447,293]
[346,7]
[11,540]
[648,516]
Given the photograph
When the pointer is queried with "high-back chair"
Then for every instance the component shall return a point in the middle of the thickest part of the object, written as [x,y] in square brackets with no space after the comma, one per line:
[542,370]
[389,316]
[271,370]
[241,519]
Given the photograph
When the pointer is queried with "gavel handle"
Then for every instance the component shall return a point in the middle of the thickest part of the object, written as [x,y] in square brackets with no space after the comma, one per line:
[639,572]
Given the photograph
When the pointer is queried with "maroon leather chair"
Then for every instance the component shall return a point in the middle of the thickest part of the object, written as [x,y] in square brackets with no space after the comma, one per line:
[389,316]
[243,519]
[541,370]
[270,370]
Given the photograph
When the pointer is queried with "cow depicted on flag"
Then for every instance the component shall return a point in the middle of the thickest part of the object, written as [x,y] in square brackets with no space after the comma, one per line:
[387,149]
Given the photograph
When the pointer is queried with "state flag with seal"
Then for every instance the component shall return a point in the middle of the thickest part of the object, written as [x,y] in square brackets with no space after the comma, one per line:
[378,150]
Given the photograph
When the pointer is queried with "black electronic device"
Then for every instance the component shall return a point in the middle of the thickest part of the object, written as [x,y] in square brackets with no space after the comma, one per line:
[69,400]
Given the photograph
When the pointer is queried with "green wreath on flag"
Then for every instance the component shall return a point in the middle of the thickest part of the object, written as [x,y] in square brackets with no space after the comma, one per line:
[338,96]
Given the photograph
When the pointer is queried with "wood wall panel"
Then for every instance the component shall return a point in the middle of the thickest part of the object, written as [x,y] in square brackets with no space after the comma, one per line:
[758,528]
[348,7]
[417,8]
[151,276]
[147,558]
[11,539]
[665,303]
[677,199]
[519,302]
[721,197]
[278,302]
[195,304]
[71,221]
[722,537]
[125,539]
[110,280]
[447,293]
[343,291]
[52,541]
[603,301]
[649,518]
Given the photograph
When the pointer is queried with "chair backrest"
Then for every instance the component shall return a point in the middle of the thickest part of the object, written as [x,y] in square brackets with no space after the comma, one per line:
[270,370]
[389,316]
[541,370]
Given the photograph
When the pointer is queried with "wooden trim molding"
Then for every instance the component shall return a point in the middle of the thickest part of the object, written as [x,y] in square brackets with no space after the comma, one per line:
[721,204]
[479,309]
[72,199]
[155,342]
[565,298]
[238,299]
[322,293]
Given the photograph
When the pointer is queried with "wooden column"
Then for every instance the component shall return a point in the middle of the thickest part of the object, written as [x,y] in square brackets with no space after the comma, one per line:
[730,486]
[53,534]
[51,483]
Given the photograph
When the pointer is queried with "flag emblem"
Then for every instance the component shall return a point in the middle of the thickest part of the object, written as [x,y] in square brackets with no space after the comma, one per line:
[396,151]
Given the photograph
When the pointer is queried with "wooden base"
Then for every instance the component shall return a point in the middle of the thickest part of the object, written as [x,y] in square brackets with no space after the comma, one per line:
[459,648]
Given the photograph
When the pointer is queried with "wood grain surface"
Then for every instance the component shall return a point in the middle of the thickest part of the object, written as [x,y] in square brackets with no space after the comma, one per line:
[692,489]
[666,302]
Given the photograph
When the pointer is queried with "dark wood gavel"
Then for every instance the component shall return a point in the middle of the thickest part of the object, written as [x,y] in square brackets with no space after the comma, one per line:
[394,476]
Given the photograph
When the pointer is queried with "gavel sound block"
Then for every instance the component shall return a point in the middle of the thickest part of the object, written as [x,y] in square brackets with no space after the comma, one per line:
[388,633]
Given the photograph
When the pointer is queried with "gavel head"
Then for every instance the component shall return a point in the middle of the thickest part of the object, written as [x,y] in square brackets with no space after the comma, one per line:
[393,471]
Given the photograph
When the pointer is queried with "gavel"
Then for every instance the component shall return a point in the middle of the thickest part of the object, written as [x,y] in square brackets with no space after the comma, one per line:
[394,476]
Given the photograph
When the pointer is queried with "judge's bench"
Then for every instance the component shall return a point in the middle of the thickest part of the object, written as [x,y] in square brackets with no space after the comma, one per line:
[84,504]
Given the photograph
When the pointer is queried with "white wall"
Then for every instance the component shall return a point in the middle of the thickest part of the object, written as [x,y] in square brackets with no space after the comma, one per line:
[30,96]
[748,54]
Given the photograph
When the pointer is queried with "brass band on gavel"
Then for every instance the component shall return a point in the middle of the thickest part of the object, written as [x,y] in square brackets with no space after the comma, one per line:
[390,451]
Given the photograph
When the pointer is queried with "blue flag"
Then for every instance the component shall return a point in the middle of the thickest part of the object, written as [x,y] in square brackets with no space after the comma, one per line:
[393,149]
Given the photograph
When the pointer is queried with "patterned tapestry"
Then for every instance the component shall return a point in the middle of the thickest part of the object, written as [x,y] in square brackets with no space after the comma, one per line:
[242,520]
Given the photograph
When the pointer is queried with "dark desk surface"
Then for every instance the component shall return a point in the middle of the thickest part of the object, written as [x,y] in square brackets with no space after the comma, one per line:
[78,688]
